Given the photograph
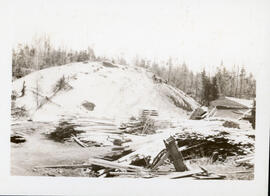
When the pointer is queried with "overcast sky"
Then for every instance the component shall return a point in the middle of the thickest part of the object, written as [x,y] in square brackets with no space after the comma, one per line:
[199,32]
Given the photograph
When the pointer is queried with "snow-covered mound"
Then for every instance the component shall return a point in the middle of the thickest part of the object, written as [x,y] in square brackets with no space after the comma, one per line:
[99,91]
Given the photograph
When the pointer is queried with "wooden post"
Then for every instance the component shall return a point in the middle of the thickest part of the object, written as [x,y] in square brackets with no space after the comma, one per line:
[174,155]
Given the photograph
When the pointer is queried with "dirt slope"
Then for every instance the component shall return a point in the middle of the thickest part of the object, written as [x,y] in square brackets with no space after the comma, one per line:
[112,92]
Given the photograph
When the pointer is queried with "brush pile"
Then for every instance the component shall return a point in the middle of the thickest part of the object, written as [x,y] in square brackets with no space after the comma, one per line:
[63,132]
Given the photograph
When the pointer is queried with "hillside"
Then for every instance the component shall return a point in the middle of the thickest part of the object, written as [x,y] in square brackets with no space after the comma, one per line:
[98,90]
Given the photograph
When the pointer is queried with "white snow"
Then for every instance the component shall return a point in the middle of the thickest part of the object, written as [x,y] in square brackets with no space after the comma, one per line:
[245,102]
[116,92]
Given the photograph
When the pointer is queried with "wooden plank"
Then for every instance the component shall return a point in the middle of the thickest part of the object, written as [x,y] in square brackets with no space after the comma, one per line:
[78,141]
[210,177]
[124,173]
[161,160]
[244,114]
[176,175]
[65,166]
[247,159]
[99,162]
[114,165]
[174,155]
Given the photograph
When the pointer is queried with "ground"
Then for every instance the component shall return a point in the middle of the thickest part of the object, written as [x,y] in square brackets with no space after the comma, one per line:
[113,95]
[39,150]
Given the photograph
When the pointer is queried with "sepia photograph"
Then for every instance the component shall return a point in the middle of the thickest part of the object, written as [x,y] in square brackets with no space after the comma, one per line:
[145,90]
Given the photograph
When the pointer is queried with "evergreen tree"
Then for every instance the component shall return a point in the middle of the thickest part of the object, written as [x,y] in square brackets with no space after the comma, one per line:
[205,89]
[214,89]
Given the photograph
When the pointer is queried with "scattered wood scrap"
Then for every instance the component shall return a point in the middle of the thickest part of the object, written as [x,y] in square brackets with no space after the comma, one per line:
[247,161]
[209,177]
[78,141]
[176,175]
[115,165]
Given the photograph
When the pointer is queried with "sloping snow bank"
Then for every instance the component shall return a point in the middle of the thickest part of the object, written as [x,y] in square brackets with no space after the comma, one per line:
[117,93]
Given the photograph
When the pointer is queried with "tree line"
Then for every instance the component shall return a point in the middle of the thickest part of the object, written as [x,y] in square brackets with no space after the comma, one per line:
[41,54]
[205,88]
[235,82]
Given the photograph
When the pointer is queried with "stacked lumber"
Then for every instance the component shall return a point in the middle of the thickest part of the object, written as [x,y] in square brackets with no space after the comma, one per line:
[145,124]
[146,113]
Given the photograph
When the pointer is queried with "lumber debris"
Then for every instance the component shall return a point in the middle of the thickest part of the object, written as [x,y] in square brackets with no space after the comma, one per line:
[177,175]
[65,166]
[144,124]
[78,141]
[174,155]
[210,177]
[115,165]
[246,159]
[199,113]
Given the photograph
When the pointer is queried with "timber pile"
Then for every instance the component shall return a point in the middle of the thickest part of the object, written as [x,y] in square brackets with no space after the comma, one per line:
[139,127]
[193,145]
[223,142]
[89,131]
[145,113]
[145,124]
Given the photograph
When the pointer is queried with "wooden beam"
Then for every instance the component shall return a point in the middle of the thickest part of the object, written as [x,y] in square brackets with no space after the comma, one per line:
[246,159]
[114,165]
[65,166]
[176,175]
[174,155]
